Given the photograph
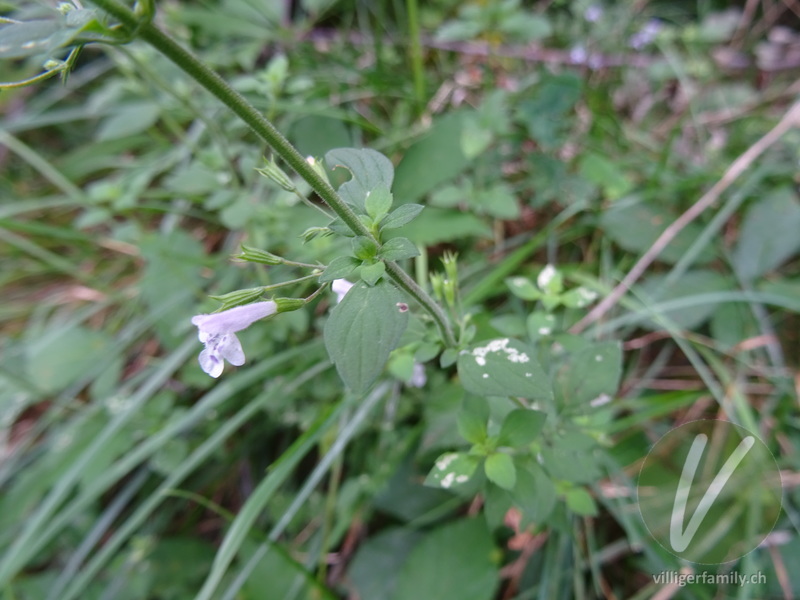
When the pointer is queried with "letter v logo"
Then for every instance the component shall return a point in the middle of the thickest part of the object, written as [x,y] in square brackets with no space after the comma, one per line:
[678,537]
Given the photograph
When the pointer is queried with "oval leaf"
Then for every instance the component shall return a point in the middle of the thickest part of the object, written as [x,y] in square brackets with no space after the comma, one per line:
[504,367]
[369,169]
[361,332]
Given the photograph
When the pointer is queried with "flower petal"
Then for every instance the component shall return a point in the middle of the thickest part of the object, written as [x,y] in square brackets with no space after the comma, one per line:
[234,319]
[211,363]
[231,349]
[340,287]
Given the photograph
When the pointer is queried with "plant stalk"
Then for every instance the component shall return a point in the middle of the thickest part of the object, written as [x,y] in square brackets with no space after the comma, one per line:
[262,127]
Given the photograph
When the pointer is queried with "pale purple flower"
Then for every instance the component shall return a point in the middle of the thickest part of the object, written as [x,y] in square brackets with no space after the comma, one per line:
[578,55]
[218,332]
[646,35]
[593,13]
[340,287]
[418,376]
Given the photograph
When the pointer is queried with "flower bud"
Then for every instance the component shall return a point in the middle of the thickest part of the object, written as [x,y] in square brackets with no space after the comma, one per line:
[318,168]
[258,256]
[272,171]
[289,304]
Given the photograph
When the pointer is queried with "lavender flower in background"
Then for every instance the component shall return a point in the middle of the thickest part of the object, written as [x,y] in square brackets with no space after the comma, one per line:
[593,13]
[646,35]
[340,287]
[578,55]
[217,332]
[418,377]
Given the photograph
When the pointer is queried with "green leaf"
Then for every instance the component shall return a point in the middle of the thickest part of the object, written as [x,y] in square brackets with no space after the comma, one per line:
[438,225]
[378,202]
[769,234]
[581,502]
[535,493]
[635,225]
[605,173]
[500,470]
[504,367]
[340,267]
[473,419]
[401,215]
[434,159]
[590,375]
[454,562]
[522,287]
[362,330]
[364,248]
[377,563]
[452,468]
[369,169]
[127,120]
[521,427]
[540,324]
[372,272]
[36,37]
[398,249]
[545,113]
[692,283]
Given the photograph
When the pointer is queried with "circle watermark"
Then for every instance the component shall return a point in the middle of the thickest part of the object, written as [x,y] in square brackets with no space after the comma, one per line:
[709,491]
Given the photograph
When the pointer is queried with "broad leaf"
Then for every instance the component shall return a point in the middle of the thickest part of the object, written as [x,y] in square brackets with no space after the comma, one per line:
[398,249]
[369,169]
[504,367]
[520,427]
[454,562]
[362,330]
[452,468]
[405,213]
[769,234]
[590,375]
[500,470]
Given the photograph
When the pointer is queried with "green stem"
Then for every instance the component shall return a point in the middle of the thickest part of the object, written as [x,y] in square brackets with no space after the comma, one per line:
[416,53]
[215,84]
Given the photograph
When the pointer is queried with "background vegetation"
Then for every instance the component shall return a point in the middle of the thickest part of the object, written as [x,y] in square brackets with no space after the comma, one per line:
[563,133]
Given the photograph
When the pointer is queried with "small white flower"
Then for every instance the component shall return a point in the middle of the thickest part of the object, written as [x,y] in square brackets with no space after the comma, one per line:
[593,13]
[340,287]
[217,331]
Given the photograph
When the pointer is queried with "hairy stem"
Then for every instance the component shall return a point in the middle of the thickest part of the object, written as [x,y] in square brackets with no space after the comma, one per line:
[262,127]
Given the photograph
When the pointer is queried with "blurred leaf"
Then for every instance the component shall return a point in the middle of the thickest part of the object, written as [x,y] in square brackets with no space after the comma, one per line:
[473,419]
[437,225]
[436,158]
[581,502]
[521,427]
[605,173]
[314,135]
[534,493]
[361,332]
[590,374]
[453,562]
[376,565]
[769,234]
[63,356]
[500,470]
[635,225]
[452,468]
[692,283]
[128,119]
[504,367]
[545,112]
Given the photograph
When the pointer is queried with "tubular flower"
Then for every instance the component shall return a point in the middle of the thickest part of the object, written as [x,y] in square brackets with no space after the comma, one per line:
[218,332]
[340,287]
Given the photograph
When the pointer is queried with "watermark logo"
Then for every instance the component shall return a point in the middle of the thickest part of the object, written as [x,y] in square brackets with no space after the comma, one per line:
[709,491]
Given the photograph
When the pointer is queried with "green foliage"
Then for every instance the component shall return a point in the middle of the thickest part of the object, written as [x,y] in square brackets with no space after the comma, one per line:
[545,153]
